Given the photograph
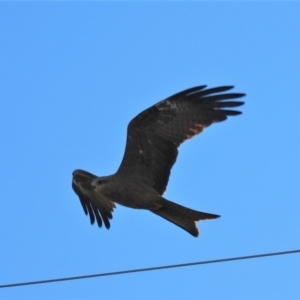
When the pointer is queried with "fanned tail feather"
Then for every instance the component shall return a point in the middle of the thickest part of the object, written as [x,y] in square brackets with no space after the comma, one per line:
[182,216]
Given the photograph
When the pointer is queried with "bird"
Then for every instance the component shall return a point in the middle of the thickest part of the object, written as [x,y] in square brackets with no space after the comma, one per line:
[153,139]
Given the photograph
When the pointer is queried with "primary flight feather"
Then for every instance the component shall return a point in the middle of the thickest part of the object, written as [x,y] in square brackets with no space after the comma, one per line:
[153,138]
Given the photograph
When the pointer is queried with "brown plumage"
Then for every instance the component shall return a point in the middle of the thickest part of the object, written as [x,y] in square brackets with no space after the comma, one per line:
[153,137]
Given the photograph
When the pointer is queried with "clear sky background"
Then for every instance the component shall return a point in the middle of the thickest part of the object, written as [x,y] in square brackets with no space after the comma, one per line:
[74,74]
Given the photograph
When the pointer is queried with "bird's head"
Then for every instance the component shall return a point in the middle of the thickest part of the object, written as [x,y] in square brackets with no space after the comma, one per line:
[99,184]
[87,181]
[83,179]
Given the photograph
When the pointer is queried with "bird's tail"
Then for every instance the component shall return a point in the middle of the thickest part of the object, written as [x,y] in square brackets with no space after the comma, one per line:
[182,216]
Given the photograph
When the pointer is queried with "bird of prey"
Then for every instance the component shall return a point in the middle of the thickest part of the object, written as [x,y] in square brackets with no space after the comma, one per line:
[153,138]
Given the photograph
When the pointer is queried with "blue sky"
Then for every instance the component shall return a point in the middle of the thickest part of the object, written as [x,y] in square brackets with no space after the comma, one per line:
[74,74]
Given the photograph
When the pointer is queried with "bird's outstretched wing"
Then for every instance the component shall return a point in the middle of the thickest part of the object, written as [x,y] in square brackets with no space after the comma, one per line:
[154,135]
[93,204]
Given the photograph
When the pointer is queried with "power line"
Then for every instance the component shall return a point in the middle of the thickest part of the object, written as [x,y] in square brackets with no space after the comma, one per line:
[149,269]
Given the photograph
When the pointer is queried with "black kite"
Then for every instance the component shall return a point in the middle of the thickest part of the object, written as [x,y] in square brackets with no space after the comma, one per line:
[153,137]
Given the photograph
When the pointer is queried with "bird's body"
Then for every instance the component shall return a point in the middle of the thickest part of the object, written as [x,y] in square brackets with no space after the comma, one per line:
[152,140]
